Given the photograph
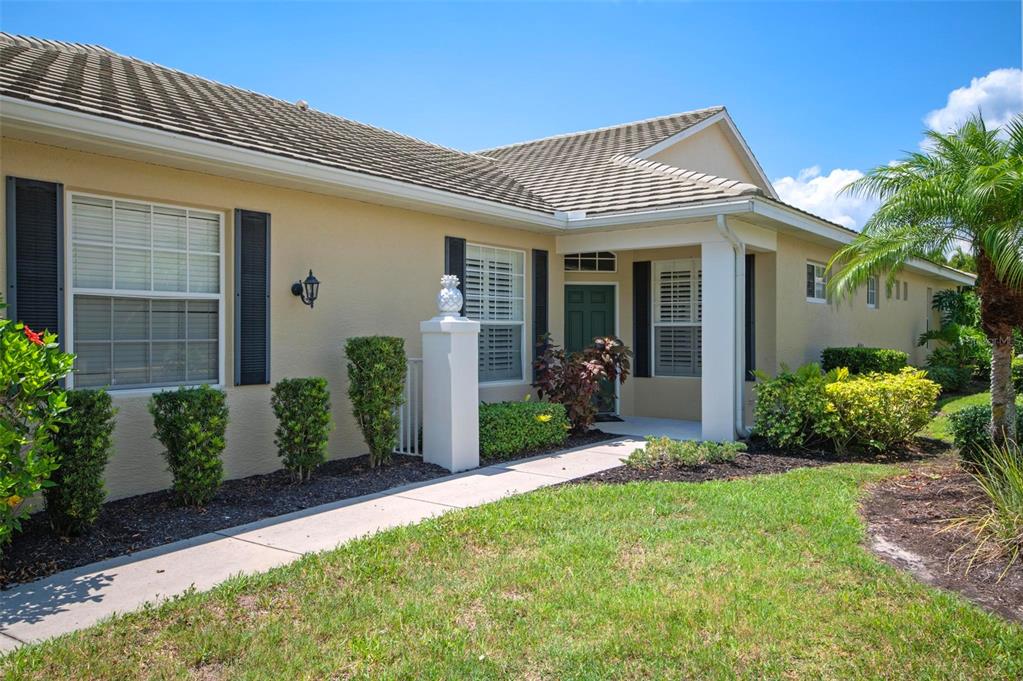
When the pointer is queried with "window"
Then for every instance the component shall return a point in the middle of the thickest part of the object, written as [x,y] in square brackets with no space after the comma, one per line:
[678,313]
[494,295]
[601,261]
[816,283]
[898,290]
[905,290]
[872,292]
[146,300]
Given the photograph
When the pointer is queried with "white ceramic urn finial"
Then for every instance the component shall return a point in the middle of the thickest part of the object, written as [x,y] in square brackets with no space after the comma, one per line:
[449,300]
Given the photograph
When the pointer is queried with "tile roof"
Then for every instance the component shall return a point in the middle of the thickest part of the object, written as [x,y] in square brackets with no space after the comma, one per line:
[594,171]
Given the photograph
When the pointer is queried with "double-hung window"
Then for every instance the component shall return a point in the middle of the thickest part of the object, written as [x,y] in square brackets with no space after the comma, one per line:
[495,296]
[872,292]
[146,294]
[816,283]
[678,315]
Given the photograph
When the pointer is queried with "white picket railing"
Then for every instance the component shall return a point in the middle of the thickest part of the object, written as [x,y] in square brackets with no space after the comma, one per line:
[410,413]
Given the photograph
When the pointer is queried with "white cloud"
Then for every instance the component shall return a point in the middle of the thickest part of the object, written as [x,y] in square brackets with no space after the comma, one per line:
[821,195]
[998,96]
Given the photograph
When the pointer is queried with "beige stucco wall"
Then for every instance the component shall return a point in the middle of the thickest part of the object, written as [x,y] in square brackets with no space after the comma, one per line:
[709,151]
[380,268]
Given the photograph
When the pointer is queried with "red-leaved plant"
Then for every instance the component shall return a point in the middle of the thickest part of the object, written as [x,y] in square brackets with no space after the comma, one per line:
[574,379]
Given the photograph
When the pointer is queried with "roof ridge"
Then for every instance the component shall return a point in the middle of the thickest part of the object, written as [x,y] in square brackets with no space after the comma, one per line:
[60,45]
[742,188]
[53,44]
[482,152]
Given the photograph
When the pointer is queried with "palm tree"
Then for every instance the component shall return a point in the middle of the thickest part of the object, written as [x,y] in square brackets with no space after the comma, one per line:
[965,190]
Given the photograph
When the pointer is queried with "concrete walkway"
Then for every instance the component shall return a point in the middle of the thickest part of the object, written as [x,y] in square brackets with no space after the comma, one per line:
[78,598]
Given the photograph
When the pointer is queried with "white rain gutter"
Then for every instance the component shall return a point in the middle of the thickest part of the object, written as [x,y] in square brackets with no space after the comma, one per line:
[739,304]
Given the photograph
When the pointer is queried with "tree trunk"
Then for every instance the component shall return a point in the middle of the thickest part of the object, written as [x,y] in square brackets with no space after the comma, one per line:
[1001,308]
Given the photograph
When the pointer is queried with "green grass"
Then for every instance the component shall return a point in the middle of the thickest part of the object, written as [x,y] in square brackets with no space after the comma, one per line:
[760,577]
[939,428]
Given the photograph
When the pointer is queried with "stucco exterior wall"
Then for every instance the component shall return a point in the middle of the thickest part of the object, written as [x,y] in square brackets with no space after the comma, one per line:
[379,267]
[708,151]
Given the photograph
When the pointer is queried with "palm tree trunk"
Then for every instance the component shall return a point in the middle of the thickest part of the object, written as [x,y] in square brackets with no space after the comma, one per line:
[1001,308]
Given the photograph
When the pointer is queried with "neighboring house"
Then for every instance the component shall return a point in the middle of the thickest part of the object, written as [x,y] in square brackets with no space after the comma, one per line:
[157,220]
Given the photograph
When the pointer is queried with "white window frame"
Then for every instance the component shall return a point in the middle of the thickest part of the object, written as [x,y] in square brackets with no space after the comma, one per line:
[597,259]
[70,290]
[821,280]
[526,349]
[696,267]
[872,290]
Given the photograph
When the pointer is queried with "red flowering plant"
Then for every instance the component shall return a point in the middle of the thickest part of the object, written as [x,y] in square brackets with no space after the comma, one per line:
[574,379]
[31,402]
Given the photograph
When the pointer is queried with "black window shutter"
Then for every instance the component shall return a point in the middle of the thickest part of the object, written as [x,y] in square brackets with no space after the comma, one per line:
[641,322]
[454,263]
[252,297]
[541,293]
[751,316]
[35,254]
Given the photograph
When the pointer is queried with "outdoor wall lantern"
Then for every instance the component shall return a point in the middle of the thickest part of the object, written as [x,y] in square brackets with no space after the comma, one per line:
[307,290]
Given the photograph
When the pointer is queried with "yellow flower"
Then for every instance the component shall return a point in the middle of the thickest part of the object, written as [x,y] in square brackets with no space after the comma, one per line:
[14,500]
[543,418]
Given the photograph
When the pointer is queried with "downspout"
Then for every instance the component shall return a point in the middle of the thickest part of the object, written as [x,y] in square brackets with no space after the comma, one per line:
[738,384]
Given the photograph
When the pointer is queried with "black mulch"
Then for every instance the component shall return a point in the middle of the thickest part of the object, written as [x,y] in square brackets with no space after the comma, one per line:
[148,520]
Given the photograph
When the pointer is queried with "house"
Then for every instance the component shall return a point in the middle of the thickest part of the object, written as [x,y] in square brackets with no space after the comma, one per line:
[157,221]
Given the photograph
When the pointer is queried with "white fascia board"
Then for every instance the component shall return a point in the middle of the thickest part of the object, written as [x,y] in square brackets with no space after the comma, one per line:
[172,145]
[839,235]
[720,117]
[641,218]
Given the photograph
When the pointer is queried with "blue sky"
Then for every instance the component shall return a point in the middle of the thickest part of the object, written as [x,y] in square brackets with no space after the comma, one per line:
[828,85]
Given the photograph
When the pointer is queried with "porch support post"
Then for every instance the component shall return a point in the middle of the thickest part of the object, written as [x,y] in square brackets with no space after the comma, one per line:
[451,392]
[718,345]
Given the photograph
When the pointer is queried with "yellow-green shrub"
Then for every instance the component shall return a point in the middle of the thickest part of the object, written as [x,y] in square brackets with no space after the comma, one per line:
[876,411]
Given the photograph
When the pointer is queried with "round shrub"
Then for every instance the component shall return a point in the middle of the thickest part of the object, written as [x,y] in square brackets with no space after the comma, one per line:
[876,411]
[864,360]
[83,446]
[302,408]
[190,423]
[376,382]
[971,430]
[509,428]
[792,409]
[950,378]
[31,406]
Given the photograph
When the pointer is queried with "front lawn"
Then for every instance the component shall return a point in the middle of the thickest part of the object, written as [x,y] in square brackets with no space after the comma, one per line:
[757,577]
[939,428]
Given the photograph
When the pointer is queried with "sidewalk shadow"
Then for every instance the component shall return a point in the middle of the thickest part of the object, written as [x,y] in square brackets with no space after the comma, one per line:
[35,601]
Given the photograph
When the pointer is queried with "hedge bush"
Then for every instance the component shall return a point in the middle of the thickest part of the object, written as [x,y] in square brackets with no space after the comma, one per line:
[302,408]
[31,406]
[864,360]
[663,451]
[376,381]
[190,423]
[1017,374]
[792,409]
[971,430]
[83,446]
[951,379]
[508,428]
[876,411]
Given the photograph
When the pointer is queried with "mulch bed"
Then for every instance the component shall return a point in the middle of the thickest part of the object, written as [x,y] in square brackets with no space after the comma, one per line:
[149,520]
[905,517]
[593,436]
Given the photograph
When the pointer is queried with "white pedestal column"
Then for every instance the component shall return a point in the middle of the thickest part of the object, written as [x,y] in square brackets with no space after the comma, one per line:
[718,383]
[451,437]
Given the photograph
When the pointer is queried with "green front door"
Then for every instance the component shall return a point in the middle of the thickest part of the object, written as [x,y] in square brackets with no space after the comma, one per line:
[589,313]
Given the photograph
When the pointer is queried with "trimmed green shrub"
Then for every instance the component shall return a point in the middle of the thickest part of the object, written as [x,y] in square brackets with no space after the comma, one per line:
[876,411]
[190,423]
[83,444]
[31,406]
[663,452]
[951,379]
[864,360]
[971,430]
[508,428]
[376,381]
[302,408]
[792,408]
[1017,374]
